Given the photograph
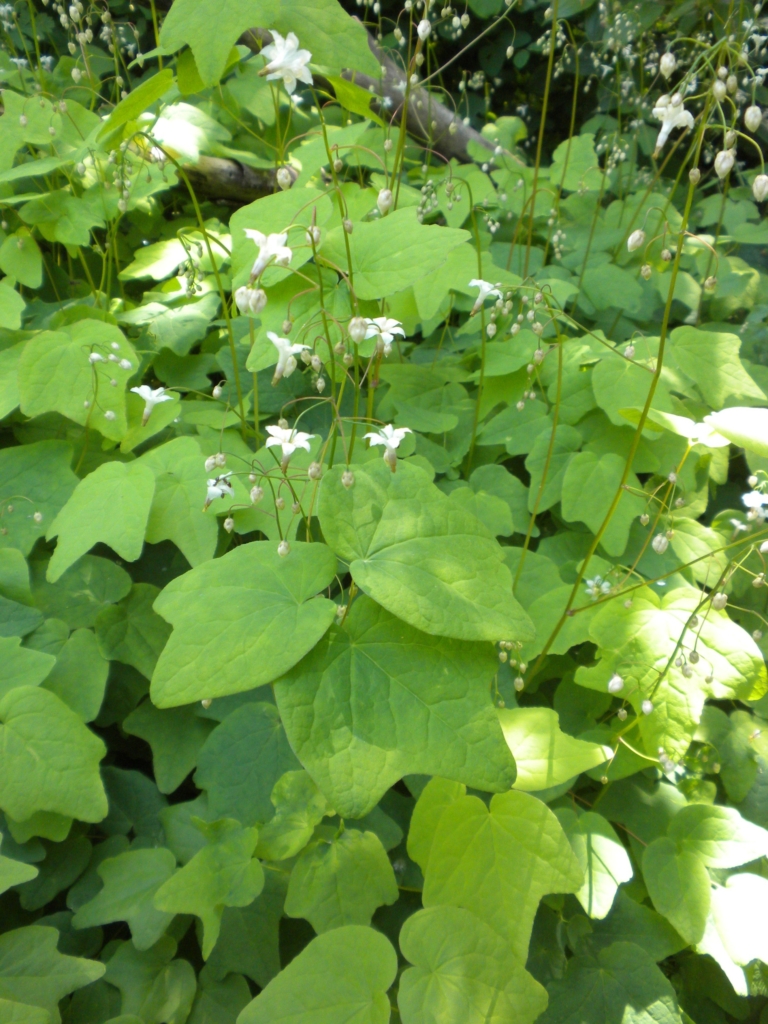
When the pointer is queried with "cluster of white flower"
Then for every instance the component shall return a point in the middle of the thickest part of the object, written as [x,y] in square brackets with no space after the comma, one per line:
[597,587]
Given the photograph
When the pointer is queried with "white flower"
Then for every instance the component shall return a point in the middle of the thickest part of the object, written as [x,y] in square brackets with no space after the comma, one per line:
[384,330]
[486,289]
[271,247]
[286,355]
[760,187]
[125,364]
[151,399]
[672,115]
[724,162]
[390,437]
[647,707]
[284,178]
[285,60]
[667,64]
[217,488]
[423,28]
[752,117]
[596,587]
[719,601]
[288,439]
[95,357]
[615,683]
[754,499]
[660,543]
[635,240]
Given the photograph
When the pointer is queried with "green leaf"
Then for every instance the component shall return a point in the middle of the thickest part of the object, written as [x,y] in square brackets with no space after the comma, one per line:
[390,253]
[590,485]
[575,164]
[462,972]
[341,880]
[437,795]
[718,836]
[242,760]
[177,506]
[40,475]
[603,859]
[629,921]
[546,756]
[21,259]
[130,882]
[81,592]
[499,862]
[640,644]
[223,874]
[711,359]
[19,1013]
[14,872]
[340,976]
[79,677]
[738,910]
[131,631]
[49,761]
[137,101]
[153,985]
[55,375]
[610,287]
[621,383]
[175,736]
[11,307]
[621,985]
[64,863]
[745,427]
[220,1002]
[21,666]
[34,973]
[439,718]
[567,441]
[419,555]
[110,505]
[299,806]
[249,940]
[242,620]
[678,884]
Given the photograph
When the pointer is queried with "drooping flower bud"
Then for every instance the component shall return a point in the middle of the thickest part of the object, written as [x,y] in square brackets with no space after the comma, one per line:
[357,329]
[647,707]
[724,162]
[229,524]
[315,471]
[732,83]
[283,548]
[384,201]
[667,64]
[719,90]
[635,240]
[753,117]
[284,178]
[313,235]
[423,28]
[660,543]
[719,601]
[348,478]
[694,175]
[615,683]
[645,271]
[257,493]
[760,187]
[730,138]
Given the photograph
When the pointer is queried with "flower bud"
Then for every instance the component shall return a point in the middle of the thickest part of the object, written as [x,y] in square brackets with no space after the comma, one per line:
[347,478]
[647,707]
[719,601]
[290,366]
[320,385]
[724,163]
[315,471]
[349,227]
[229,524]
[719,90]
[730,138]
[490,330]
[660,543]
[694,175]
[621,714]
[423,29]
[732,83]
[313,236]
[722,72]
[710,283]
[217,390]
[667,64]
[635,240]
[257,493]
[357,329]
[283,548]
[752,117]
[538,356]
[243,299]
[257,300]
[615,683]
[284,178]
[760,187]
[384,201]
[347,359]
[666,255]
[338,165]
[629,351]
[645,271]
[519,684]
[645,519]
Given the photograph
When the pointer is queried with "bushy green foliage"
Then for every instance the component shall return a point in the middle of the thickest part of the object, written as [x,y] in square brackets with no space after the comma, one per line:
[291,731]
